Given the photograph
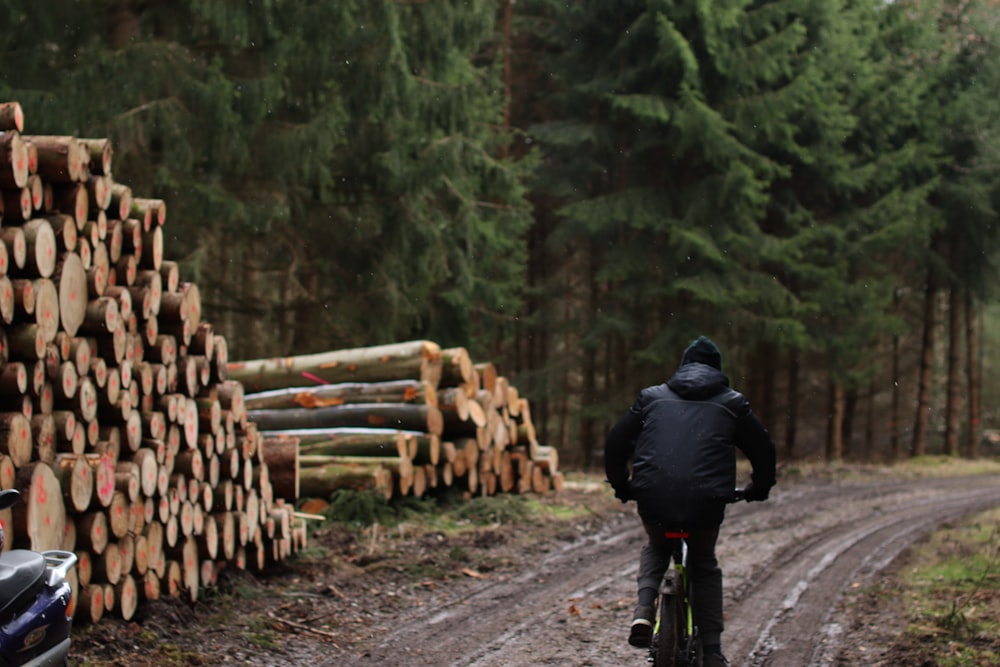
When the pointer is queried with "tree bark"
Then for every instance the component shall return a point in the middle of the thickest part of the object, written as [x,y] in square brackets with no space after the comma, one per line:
[322,481]
[953,399]
[11,117]
[41,249]
[792,423]
[895,411]
[918,446]
[107,566]
[415,360]
[869,438]
[394,391]
[17,205]
[281,455]
[972,376]
[835,437]
[422,448]
[99,153]
[59,158]
[847,428]
[377,415]
[90,607]
[344,441]
[456,367]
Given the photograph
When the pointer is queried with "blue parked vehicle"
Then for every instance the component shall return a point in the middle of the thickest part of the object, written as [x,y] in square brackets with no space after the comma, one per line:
[36,603]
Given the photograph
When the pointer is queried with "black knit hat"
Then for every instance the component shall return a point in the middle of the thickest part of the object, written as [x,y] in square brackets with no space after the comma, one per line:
[702,350]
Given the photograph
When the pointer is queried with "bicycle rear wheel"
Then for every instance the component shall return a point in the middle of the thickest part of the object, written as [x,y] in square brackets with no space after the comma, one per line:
[670,631]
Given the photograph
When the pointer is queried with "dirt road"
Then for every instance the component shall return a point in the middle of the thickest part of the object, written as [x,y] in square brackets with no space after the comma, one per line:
[787,563]
[794,567]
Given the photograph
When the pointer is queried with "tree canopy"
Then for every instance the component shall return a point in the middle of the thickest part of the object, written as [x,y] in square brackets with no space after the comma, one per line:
[574,189]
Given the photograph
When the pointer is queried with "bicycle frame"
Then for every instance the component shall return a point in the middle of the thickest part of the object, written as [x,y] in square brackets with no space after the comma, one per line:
[676,584]
[681,568]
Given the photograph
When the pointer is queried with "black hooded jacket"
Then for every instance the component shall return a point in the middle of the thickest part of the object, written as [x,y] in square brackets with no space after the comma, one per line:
[681,437]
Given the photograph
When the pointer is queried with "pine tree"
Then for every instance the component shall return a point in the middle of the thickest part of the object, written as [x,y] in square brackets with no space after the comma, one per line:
[853,210]
[967,131]
[334,170]
[680,141]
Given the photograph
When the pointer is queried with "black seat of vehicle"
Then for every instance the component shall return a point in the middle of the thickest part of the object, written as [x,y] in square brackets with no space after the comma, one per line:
[22,575]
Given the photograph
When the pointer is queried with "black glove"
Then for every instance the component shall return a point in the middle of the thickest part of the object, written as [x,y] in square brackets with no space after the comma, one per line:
[753,493]
[623,494]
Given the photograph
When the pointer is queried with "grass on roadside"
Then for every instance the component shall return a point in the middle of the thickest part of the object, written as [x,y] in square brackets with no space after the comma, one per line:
[919,467]
[450,512]
[449,533]
[951,589]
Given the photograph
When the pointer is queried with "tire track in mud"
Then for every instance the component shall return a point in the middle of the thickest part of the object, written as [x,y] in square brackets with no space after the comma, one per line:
[786,618]
[518,619]
[787,563]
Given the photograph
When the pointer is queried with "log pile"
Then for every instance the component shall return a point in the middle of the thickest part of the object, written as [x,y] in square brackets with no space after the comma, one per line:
[118,423]
[402,419]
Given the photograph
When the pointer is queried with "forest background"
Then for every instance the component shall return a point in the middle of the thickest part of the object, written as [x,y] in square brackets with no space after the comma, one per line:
[573,191]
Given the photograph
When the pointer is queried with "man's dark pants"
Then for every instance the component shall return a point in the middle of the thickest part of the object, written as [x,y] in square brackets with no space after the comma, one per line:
[703,568]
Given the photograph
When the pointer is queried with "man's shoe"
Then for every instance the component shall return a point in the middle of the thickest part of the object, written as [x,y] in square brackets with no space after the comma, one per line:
[714,660]
[642,627]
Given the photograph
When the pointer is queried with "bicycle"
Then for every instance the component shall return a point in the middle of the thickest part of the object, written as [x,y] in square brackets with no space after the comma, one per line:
[675,641]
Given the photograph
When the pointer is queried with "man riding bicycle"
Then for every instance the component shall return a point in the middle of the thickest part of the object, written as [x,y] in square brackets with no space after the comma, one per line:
[680,438]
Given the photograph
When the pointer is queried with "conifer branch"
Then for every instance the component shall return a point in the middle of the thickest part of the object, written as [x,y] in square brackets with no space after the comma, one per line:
[474,202]
[146,107]
[437,84]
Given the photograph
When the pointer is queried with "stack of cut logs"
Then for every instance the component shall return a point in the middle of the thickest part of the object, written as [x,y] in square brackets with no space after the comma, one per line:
[118,424]
[404,419]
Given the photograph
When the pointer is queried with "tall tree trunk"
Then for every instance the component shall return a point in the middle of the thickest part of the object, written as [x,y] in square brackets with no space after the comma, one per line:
[562,407]
[835,423]
[304,326]
[972,375]
[508,12]
[764,385]
[589,369]
[124,24]
[537,339]
[895,416]
[953,404]
[255,340]
[792,423]
[919,445]
[867,452]
[847,430]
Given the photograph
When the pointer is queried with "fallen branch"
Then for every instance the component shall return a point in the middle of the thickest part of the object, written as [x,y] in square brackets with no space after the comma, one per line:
[304,628]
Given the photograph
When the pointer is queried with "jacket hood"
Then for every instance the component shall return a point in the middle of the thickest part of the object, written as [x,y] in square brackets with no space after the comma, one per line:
[697,381]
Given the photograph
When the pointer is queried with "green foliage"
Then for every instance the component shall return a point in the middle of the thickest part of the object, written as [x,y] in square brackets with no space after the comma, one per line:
[335,171]
[781,174]
[359,508]
[689,150]
[448,512]
[504,508]
[950,592]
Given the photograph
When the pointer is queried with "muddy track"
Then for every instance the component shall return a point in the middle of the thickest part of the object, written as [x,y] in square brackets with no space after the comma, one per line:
[788,615]
[787,563]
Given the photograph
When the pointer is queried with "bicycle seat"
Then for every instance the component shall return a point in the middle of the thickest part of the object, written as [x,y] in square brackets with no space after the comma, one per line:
[22,575]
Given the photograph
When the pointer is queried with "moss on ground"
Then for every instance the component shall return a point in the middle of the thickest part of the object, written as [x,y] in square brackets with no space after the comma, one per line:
[951,589]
